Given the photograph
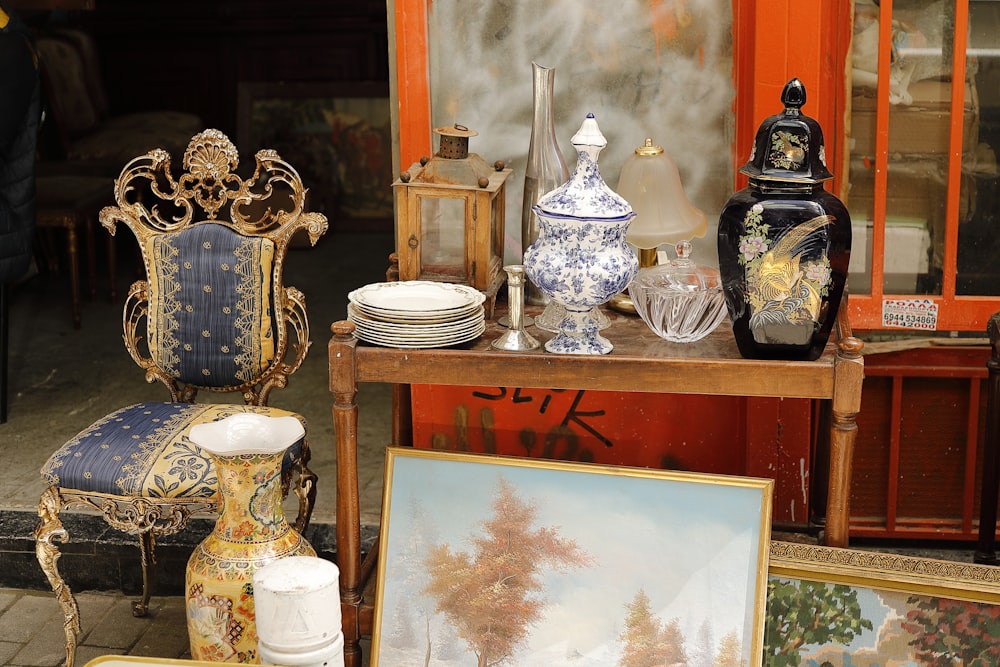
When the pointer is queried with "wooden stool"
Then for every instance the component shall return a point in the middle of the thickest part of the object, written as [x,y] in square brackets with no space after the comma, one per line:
[72,203]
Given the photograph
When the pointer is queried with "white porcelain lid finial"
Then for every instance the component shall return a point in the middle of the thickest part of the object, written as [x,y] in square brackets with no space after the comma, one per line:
[589,134]
[585,194]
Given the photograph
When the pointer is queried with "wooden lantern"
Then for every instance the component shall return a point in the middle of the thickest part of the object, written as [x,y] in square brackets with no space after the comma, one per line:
[450,216]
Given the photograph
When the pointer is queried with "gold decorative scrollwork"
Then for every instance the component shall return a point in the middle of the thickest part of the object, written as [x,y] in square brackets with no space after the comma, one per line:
[139,515]
[270,203]
[882,569]
[273,198]
[48,531]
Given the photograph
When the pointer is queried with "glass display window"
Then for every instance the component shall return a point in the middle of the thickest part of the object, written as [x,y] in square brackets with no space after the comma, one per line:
[923,135]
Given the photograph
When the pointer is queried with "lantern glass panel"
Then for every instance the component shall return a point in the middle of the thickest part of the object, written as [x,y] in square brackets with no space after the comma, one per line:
[442,237]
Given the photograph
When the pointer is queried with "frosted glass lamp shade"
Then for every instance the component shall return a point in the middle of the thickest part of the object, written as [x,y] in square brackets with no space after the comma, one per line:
[650,182]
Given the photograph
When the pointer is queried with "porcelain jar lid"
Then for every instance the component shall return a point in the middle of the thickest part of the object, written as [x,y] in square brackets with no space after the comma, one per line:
[585,195]
[789,145]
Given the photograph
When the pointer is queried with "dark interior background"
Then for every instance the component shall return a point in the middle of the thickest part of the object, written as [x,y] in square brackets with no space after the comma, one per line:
[200,56]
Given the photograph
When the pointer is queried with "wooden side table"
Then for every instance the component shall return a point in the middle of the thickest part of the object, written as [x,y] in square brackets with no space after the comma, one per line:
[640,362]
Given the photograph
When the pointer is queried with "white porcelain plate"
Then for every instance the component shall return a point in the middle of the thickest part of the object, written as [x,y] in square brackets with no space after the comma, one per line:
[417,296]
[414,337]
[403,341]
[364,319]
[412,317]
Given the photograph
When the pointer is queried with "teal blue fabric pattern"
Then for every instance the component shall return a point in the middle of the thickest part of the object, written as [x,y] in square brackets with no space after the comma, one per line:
[144,450]
[211,319]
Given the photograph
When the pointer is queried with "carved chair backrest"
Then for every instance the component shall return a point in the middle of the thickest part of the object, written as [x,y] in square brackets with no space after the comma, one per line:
[213,312]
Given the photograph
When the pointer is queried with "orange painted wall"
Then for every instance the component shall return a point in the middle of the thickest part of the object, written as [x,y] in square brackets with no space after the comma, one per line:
[774,40]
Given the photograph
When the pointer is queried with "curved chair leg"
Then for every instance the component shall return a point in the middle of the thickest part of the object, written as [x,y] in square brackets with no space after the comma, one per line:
[147,555]
[49,530]
[305,489]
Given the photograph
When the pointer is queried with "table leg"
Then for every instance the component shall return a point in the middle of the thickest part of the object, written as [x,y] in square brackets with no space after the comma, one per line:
[402,416]
[849,372]
[344,386]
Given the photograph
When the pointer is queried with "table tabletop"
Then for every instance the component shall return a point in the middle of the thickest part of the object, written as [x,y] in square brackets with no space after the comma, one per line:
[640,361]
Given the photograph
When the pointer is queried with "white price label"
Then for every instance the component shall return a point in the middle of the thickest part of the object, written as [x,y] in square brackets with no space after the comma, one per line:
[919,314]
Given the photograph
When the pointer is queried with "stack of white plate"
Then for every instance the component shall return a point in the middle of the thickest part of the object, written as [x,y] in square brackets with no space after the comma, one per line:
[417,313]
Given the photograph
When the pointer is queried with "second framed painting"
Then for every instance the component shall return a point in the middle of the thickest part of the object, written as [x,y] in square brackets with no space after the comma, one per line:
[830,607]
[501,560]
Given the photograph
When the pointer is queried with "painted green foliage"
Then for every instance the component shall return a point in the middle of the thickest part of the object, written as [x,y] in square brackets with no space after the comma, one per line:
[950,633]
[801,613]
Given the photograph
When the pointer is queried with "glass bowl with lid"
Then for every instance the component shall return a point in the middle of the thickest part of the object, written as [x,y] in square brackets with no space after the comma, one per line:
[681,301]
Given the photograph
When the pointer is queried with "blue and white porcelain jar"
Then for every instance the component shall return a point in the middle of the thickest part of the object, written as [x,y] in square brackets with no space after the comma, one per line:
[580,258]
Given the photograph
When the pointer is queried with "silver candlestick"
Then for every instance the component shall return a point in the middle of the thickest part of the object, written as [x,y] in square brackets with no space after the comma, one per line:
[515,339]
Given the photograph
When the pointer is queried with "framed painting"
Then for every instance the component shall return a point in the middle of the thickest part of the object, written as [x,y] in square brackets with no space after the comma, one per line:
[338,137]
[830,607]
[502,560]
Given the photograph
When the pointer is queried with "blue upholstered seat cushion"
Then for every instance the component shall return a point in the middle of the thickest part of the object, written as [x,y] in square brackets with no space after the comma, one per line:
[144,450]
[211,312]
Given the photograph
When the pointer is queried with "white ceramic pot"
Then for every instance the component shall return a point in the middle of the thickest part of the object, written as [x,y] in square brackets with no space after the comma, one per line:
[331,655]
[298,606]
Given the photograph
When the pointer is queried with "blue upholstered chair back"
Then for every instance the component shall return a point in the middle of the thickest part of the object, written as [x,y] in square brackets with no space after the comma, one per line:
[211,308]
[214,312]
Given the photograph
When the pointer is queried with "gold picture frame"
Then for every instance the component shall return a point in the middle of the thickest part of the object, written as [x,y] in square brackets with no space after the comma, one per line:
[558,563]
[868,608]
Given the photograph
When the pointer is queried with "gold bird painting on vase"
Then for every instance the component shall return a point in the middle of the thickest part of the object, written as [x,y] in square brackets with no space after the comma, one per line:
[784,289]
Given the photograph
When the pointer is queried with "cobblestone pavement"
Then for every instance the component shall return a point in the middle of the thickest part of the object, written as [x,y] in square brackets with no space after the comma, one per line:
[31,628]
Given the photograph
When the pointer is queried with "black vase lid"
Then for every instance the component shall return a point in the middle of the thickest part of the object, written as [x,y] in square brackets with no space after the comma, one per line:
[789,145]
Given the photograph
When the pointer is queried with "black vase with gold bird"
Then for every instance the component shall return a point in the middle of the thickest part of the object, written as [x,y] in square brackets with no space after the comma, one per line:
[785,241]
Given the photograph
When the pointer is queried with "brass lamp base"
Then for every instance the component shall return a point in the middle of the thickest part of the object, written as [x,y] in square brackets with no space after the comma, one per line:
[622,302]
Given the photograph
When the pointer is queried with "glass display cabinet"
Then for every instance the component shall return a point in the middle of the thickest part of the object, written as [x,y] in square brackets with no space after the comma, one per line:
[922,184]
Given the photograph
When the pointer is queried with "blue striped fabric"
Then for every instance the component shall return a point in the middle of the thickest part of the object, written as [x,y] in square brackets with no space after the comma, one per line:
[144,450]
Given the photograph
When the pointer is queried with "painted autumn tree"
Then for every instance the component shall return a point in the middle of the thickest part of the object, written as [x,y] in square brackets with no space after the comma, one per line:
[702,651]
[410,625]
[730,651]
[492,596]
[647,642]
[954,633]
[808,612]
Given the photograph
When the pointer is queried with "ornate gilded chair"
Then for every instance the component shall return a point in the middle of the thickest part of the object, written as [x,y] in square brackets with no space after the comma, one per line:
[212,314]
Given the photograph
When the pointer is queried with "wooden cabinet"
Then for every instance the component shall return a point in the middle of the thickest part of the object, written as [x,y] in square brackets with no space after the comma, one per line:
[917,467]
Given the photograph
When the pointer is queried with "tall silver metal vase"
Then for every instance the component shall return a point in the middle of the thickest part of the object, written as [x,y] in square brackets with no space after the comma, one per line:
[546,168]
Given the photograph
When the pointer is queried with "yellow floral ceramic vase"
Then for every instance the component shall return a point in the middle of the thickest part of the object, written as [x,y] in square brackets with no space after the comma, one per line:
[251,531]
